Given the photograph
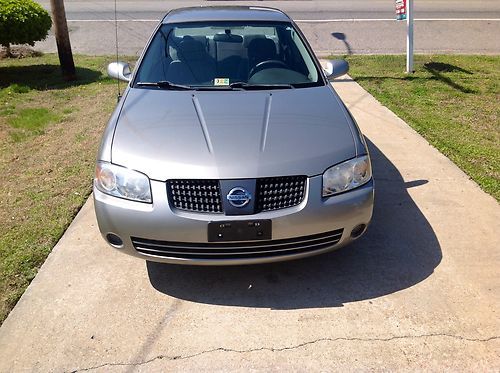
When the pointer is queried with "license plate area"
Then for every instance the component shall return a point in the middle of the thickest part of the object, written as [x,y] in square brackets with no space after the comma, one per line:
[243,230]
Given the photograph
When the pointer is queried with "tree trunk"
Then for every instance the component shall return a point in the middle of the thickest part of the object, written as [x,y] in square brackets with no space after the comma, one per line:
[8,52]
[62,39]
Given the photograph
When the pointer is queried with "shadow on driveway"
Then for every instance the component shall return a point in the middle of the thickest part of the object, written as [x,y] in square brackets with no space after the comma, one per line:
[399,250]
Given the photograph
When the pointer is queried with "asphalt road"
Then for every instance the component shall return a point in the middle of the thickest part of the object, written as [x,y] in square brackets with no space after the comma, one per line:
[339,27]
[308,9]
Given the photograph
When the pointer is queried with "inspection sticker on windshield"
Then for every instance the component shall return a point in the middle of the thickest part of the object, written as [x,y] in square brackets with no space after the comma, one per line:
[221,81]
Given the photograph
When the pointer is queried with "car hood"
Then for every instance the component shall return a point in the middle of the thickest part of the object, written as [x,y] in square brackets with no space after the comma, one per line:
[231,134]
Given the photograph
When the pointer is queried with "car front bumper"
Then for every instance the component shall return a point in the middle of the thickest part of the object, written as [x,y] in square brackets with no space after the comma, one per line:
[158,232]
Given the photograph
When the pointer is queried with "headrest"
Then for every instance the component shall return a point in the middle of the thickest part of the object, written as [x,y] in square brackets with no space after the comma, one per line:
[191,48]
[262,47]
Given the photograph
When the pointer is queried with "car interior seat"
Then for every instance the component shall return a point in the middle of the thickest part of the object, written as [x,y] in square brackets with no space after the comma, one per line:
[194,65]
[260,50]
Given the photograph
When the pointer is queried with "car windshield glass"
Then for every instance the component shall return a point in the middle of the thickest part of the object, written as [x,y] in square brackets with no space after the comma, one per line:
[218,54]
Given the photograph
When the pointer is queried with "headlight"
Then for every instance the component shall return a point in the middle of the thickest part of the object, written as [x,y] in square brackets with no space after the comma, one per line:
[347,175]
[122,182]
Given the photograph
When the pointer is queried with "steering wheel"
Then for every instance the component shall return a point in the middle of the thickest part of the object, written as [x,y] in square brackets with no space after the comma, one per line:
[266,65]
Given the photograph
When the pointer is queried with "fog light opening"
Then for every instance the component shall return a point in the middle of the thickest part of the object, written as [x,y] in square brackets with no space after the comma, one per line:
[114,240]
[358,230]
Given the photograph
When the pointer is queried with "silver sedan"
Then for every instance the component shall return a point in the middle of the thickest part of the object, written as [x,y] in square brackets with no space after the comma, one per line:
[230,146]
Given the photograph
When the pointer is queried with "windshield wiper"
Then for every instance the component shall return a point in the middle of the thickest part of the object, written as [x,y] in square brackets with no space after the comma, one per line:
[164,84]
[249,86]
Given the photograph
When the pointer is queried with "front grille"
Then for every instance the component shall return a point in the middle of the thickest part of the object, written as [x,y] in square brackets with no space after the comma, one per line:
[195,195]
[237,250]
[275,193]
[272,193]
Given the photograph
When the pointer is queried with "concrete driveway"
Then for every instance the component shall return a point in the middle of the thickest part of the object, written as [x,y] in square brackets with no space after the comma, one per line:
[419,291]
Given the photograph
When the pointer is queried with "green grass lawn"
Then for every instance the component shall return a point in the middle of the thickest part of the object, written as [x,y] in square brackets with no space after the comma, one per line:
[49,134]
[50,130]
[453,101]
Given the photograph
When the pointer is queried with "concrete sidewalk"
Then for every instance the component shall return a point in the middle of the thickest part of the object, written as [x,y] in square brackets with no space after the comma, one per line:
[419,291]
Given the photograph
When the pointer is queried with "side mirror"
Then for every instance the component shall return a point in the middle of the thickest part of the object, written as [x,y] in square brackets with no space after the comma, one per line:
[120,70]
[336,68]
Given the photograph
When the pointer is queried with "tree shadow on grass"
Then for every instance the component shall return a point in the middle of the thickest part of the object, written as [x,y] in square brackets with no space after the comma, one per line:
[45,77]
[445,68]
[399,250]
[382,78]
[436,69]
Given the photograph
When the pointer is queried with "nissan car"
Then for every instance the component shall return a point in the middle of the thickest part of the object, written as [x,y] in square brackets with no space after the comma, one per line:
[230,146]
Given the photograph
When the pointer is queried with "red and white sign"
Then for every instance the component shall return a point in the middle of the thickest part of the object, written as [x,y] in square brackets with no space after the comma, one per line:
[400,10]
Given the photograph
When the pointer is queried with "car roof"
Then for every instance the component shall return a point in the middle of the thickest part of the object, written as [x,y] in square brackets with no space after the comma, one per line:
[225,13]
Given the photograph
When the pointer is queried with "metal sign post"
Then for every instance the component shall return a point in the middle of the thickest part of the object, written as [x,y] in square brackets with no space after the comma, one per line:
[404,10]
[409,36]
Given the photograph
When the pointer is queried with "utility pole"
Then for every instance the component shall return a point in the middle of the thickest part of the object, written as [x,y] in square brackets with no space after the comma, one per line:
[62,39]
[409,37]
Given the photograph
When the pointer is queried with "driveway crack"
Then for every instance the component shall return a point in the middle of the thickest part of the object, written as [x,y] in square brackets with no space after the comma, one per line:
[289,348]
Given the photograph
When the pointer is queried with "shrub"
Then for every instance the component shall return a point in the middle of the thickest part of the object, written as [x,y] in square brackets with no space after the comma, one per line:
[22,22]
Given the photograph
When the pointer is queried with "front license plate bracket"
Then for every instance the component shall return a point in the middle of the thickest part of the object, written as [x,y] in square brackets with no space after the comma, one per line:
[244,230]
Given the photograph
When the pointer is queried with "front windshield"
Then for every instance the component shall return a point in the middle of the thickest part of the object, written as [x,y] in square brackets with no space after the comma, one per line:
[218,54]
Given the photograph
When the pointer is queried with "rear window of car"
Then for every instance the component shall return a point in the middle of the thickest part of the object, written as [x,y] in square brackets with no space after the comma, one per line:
[218,54]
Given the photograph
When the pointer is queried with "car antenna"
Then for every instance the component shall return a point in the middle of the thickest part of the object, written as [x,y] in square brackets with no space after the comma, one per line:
[119,96]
